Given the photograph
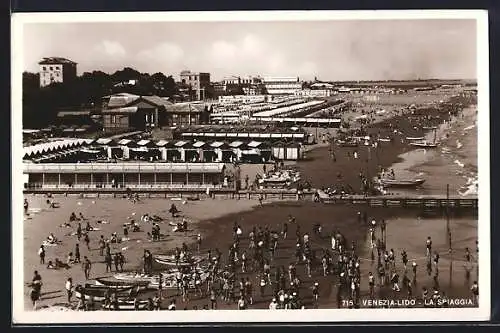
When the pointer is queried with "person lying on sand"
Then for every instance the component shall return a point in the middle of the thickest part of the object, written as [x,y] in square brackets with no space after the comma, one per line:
[88,227]
[52,239]
[57,264]
[52,204]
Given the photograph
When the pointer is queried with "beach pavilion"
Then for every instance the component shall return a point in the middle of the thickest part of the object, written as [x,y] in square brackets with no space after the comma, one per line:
[123,175]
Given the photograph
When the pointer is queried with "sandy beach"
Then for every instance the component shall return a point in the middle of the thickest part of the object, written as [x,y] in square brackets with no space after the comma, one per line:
[214,219]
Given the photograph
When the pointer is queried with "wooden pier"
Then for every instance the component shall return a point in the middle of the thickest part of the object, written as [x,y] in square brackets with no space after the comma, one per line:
[422,202]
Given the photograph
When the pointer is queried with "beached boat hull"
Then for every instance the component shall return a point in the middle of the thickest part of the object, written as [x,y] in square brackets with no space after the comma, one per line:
[113,282]
[402,183]
[410,138]
[97,295]
[170,261]
[128,306]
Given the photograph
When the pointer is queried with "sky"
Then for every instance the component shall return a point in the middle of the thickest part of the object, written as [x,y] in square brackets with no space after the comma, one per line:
[328,50]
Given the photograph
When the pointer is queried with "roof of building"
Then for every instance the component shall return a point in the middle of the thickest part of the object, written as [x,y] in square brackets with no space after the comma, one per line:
[124,110]
[119,100]
[123,100]
[185,108]
[156,100]
[73,113]
[54,146]
[55,61]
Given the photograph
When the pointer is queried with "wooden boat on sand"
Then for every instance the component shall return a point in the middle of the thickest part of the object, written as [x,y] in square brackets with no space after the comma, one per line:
[126,305]
[98,294]
[169,260]
[112,282]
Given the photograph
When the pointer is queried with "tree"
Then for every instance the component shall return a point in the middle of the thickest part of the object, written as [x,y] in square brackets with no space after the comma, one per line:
[40,105]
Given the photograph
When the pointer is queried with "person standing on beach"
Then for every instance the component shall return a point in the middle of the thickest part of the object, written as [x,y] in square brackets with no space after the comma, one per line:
[116,260]
[69,289]
[36,282]
[79,231]
[86,239]
[475,292]
[41,254]
[26,206]
[86,265]
[77,253]
[102,245]
[428,245]
[108,260]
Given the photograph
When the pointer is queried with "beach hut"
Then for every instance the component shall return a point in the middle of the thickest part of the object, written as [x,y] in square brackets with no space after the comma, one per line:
[162,147]
[237,147]
[208,153]
[278,149]
[194,151]
[292,151]
[146,150]
[224,152]
[252,153]
[125,145]
[181,148]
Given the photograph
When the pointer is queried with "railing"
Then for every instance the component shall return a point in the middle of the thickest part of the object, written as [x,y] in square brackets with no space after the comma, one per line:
[124,167]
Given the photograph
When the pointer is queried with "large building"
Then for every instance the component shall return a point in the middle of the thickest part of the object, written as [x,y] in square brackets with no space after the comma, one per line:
[132,112]
[199,83]
[249,85]
[282,85]
[56,69]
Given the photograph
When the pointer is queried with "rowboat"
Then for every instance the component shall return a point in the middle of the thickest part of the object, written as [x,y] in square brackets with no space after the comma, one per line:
[98,295]
[114,282]
[343,143]
[384,139]
[401,182]
[113,288]
[128,305]
[429,127]
[415,138]
[424,144]
[169,260]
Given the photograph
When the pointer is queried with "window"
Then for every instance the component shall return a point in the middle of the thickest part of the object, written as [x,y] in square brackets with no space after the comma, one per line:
[50,67]
[113,119]
[44,68]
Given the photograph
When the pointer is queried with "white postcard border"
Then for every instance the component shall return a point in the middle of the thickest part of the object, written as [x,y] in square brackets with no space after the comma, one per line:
[20,316]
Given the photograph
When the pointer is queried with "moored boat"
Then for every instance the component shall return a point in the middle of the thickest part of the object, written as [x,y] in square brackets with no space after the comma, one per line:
[415,138]
[401,182]
[424,144]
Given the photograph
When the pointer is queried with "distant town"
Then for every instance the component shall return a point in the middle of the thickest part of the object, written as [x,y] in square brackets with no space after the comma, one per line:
[98,102]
